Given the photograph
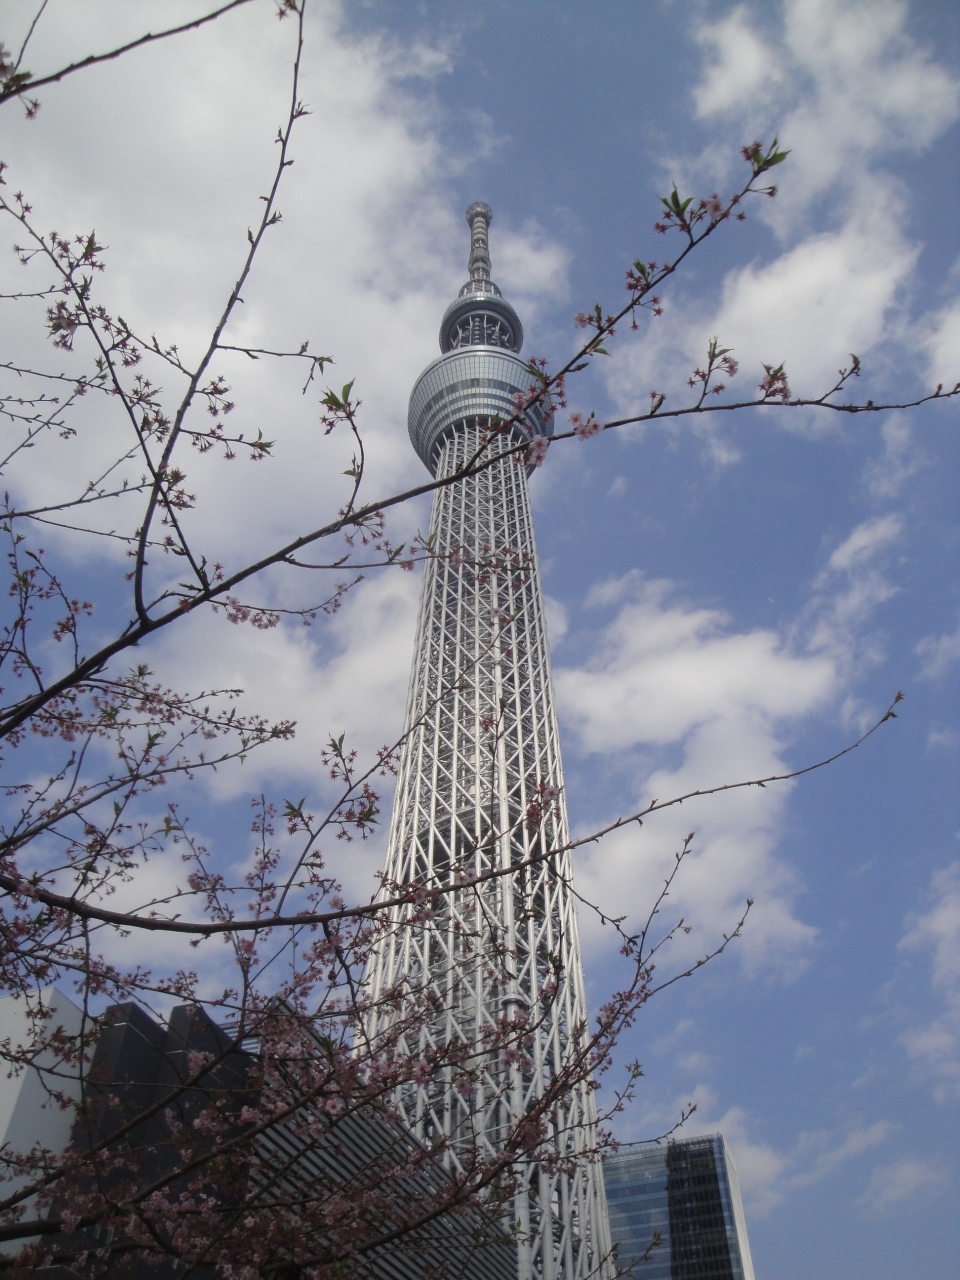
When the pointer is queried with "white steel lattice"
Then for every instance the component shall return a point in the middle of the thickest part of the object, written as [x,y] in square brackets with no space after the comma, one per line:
[482,745]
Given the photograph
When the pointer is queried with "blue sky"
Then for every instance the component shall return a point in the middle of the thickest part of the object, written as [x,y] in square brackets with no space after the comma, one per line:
[727,598]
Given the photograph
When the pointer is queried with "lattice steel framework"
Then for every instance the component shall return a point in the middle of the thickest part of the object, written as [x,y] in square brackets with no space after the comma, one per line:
[482,745]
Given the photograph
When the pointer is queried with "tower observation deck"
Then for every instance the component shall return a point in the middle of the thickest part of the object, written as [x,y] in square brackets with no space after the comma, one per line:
[481,748]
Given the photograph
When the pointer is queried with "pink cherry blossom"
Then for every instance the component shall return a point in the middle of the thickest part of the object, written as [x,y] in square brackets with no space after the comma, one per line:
[585,428]
[536,451]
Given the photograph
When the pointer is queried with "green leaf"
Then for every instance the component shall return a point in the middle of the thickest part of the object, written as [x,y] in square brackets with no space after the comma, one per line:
[674,203]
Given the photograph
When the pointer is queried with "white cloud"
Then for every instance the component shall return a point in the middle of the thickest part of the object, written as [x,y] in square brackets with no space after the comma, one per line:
[826,297]
[886,474]
[865,541]
[667,674]
[694,1063]
[670,1041]
[935,1046]
[350,676]
[369,253]
[740,64]
[678,696]
[557,619]
[846,593]
[662,669]
[845,89]
[902,1181]
[841,80]
[942,344]
[823,1154]
[535,266]
[768,1176]
[938,653]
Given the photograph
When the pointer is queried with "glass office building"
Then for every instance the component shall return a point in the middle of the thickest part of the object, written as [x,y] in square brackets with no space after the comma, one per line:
[676,1214]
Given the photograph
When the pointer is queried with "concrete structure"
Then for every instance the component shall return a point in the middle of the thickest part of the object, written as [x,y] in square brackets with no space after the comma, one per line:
[29,1115]
[482,747]
[687,1194]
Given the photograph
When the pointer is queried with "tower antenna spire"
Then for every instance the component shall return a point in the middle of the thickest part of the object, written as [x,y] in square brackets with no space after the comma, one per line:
[480,316]
[479,216]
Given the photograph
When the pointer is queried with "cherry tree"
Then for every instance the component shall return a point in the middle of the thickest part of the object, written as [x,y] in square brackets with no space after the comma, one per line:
[101,758]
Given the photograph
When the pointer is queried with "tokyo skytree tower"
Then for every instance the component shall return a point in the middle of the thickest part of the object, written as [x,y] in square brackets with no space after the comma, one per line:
[482,747]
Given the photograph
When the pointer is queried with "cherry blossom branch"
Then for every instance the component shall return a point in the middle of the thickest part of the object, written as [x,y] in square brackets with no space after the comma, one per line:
[818,402]
[92,495]
[365,911]
[317,363]
[685,1114]
[269,218]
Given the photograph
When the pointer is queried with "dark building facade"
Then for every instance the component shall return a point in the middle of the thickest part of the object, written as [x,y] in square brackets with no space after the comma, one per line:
[676,1213]
[140,1063]
[133,1100]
